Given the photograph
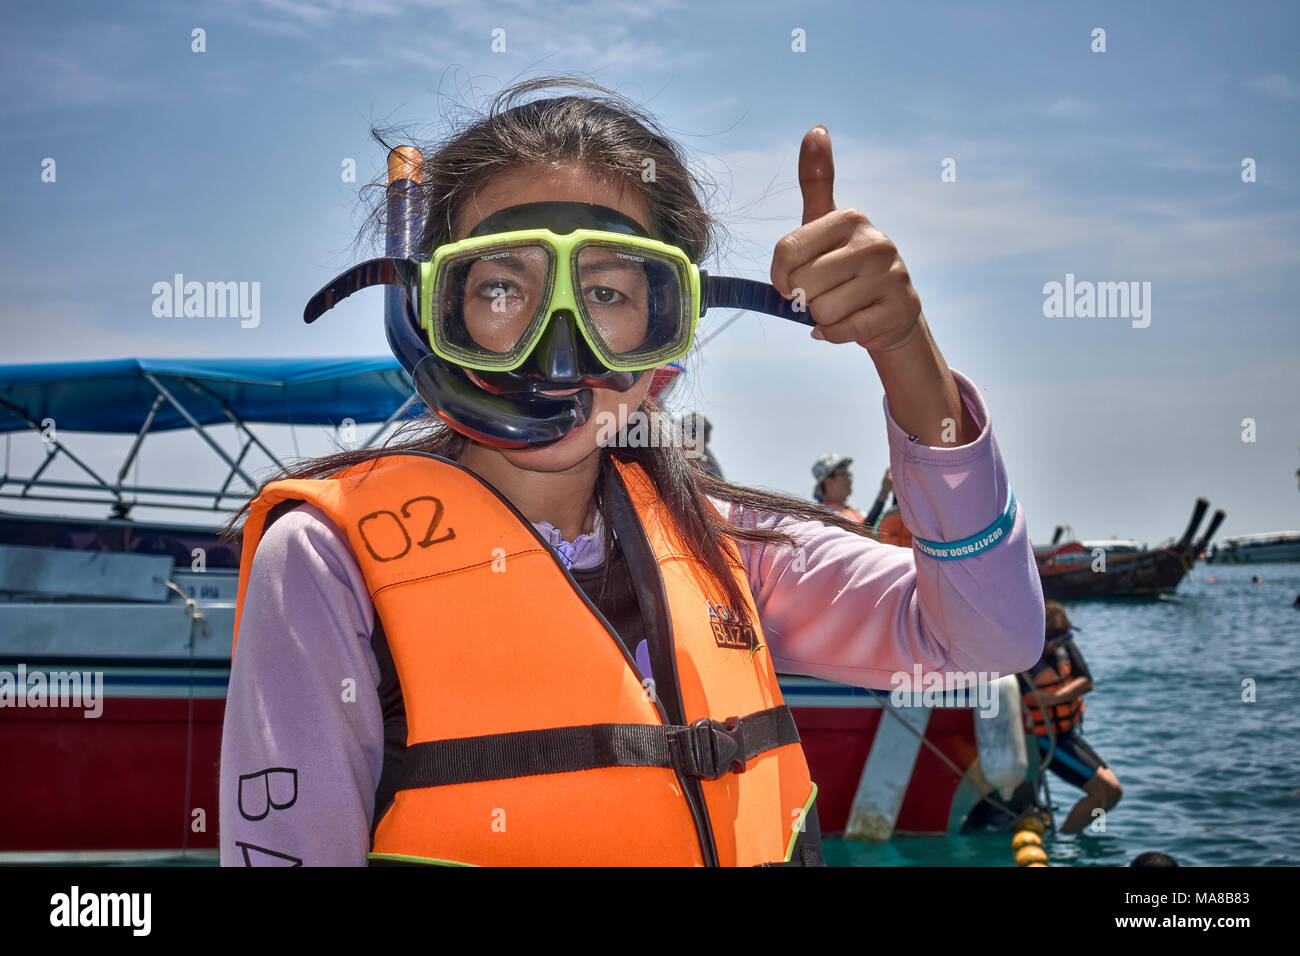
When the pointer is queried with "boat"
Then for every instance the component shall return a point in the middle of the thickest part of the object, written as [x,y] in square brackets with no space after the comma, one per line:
[888,764]
[116,632]
[1071,570]
[1264,548]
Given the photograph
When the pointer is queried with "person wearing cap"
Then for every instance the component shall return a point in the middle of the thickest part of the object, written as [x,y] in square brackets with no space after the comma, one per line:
[835,484]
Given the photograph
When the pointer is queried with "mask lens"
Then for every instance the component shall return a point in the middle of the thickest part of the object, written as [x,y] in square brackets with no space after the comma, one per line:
[488,303]
[631,300]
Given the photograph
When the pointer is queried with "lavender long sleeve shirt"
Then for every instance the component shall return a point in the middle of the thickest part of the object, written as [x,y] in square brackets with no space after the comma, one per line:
[303,743]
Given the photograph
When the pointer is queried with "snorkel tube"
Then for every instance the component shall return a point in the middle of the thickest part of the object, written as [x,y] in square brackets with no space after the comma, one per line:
[506,409]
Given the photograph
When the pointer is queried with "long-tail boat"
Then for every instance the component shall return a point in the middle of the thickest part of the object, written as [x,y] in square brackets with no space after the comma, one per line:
[1071,570]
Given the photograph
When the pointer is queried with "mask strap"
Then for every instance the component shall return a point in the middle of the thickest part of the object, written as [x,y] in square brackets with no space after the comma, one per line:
[403,273]
[729,293]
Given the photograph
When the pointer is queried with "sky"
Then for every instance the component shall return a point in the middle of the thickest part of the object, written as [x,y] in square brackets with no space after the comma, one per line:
[1128,164]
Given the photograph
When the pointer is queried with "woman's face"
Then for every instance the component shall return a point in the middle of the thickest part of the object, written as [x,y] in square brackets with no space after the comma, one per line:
[566,183]
[839,485]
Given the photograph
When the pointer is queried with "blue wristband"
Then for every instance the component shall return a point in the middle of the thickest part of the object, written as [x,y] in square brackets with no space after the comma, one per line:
[977,543]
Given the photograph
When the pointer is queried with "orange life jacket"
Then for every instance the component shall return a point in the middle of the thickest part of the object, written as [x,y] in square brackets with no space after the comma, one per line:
[891,529]
[853,514]
[531,738]
[1065,717]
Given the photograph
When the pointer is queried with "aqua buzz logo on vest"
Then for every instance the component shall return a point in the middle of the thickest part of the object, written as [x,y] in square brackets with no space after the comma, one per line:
[728,630]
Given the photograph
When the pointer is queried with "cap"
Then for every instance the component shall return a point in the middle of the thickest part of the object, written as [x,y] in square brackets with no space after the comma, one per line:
[828,463]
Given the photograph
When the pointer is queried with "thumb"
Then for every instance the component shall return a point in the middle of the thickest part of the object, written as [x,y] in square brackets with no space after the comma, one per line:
[816,174]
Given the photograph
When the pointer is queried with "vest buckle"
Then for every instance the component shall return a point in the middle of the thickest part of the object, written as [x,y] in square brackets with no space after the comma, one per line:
[718,747]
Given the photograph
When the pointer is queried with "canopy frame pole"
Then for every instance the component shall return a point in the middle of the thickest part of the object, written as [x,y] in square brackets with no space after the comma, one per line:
[221,492]
[236,421]
[410,400]
[254,439]
[184,413]
[101,501]
[58,447]
[132,490]
[139,439]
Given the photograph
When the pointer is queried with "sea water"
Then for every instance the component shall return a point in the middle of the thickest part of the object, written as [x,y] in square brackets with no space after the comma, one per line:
[1210,777]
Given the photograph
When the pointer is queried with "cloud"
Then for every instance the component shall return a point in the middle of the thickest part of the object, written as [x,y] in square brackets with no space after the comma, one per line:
[1064,106]
[430,34]
[76,69]
[1009,210]
[1186,163]
[302,18]
[1274,84]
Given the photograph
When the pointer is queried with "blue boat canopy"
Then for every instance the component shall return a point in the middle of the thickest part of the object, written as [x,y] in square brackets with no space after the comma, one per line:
[117,395]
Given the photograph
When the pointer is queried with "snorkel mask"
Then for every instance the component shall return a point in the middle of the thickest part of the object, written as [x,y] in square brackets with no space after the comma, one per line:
[546,296]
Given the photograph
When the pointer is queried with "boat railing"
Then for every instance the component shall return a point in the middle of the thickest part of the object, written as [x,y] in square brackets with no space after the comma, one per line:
[144,397]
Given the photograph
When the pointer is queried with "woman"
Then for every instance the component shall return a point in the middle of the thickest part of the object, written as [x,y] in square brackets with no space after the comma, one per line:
[502,641]
[834,485]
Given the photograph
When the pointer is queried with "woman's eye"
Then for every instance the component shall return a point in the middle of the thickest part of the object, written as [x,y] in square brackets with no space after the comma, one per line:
[604,295]
[496,289]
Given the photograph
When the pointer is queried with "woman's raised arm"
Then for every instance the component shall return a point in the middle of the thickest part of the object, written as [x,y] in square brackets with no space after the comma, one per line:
[854,610]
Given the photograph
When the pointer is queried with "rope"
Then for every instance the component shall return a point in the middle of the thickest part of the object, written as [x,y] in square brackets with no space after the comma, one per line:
[1043,760]
[197,620]
[963,774]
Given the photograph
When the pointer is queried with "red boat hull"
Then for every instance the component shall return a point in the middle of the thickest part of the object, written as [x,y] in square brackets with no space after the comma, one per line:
[118,782]
[113,783]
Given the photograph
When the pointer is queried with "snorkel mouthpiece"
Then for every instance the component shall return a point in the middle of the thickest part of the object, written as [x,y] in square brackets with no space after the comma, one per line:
[500,421]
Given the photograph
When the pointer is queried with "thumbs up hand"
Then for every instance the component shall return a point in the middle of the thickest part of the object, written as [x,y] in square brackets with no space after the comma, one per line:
[852,280]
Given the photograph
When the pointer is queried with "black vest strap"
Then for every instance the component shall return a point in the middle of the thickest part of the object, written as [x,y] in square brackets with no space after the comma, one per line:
[707,749]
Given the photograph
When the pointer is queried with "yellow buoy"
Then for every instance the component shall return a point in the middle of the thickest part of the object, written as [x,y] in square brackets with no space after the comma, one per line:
[1028,855]
[1033,824]
[1027,865]
[1025,838]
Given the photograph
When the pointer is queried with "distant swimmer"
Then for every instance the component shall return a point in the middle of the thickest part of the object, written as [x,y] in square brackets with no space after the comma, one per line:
[1256,579]
[1296,603]
[1153,858]
[1054,693]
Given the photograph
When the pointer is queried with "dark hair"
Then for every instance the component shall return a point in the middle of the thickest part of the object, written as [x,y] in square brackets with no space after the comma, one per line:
[1153,858]
[613,139]
[1057,621]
